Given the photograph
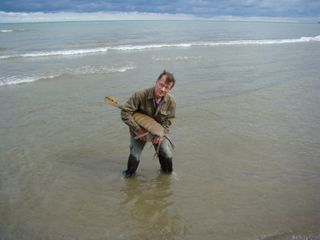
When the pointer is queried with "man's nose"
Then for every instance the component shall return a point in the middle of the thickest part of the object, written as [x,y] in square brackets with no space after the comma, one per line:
[165,89]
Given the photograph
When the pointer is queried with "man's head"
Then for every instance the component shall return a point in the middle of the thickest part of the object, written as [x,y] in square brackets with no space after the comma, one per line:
[164,84]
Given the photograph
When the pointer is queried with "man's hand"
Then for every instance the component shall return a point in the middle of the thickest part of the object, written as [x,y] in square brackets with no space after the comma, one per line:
[142,132]
[157,140]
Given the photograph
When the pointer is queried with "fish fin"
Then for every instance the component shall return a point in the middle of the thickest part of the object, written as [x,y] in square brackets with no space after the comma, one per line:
[154,156]
[141,135]
[157,152]
[170,141]
[112,101]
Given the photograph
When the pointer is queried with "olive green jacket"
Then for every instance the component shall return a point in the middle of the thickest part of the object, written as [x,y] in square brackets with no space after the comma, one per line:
[142,101]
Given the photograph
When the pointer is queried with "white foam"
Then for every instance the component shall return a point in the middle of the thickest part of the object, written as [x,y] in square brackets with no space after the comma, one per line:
[6,30]
[156,46]
[11,30]
[14,80]
[260,42]
[150,46]
[97,70]
[178,58]
[65,52]
[57,53]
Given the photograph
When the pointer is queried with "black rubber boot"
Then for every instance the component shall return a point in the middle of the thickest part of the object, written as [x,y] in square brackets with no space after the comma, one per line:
[166,164]
[132,166]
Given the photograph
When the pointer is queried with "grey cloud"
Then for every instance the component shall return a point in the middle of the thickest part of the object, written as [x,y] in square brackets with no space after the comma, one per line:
[204,8]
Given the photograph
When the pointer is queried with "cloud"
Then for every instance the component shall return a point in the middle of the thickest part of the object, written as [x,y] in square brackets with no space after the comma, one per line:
[15,17]
[266,8]
[200,8]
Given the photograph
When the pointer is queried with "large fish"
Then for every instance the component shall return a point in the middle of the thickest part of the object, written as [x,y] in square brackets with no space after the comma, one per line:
[152,127]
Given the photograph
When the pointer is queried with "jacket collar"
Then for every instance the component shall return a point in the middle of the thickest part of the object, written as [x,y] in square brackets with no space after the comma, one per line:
[151,93]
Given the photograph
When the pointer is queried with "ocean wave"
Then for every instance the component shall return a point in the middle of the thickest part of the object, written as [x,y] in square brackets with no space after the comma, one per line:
[150,46]
[73,52]
[6,30]
[57,53]
[11,30]
[178,58]
[98,70]
[261,42]
[15,80]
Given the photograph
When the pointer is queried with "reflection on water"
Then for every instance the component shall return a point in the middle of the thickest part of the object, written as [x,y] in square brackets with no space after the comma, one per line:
[150,209]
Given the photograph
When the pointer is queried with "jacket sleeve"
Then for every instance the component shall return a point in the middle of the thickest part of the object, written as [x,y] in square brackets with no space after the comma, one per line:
[171,114]
[131,106]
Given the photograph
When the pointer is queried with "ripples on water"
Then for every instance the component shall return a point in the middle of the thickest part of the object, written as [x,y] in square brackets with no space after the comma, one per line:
[247,135]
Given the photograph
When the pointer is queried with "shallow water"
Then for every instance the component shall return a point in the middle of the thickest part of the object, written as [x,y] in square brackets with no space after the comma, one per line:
[246,161]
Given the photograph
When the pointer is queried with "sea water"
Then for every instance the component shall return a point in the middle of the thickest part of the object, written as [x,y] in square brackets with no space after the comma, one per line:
[247,131]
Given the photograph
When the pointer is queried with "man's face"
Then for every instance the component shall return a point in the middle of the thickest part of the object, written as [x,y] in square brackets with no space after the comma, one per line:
[162,87]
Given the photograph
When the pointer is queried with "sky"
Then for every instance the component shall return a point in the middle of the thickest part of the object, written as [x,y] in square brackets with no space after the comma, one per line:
[154,9]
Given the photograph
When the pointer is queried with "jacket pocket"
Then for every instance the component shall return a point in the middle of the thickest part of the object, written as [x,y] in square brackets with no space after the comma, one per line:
[164,112]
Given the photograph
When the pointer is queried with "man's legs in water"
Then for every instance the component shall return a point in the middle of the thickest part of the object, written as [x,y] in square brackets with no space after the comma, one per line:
[165,156]
[136,147]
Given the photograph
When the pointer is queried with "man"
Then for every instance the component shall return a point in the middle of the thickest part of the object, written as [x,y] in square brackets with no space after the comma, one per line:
[157,103]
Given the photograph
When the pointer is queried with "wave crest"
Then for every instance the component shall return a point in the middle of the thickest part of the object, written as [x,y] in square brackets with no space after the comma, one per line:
[11,30]
[6,30]
[15,80]
[73,52]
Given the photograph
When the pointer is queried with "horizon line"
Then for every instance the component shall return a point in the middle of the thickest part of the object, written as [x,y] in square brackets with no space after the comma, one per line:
[64,16]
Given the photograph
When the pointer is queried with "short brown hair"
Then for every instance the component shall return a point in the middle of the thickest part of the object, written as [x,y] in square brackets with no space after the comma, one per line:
[169,77]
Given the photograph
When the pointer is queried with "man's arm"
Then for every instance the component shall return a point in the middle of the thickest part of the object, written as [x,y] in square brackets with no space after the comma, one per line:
[166,122]
[169,118]
[131,106]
